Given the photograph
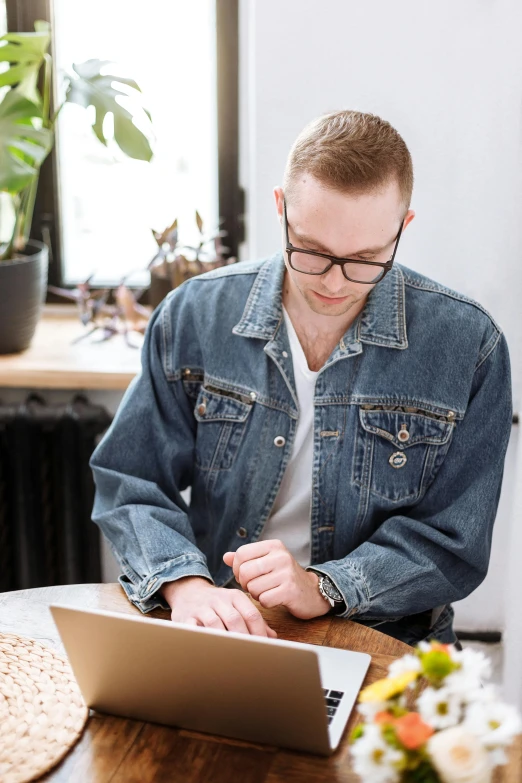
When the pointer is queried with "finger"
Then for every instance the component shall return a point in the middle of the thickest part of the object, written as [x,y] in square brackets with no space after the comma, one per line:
[252,616]
[254,569]
[183,620]
[209,619]
[257,549]
[271,598]
[228,558]
[231,617]
[263,583]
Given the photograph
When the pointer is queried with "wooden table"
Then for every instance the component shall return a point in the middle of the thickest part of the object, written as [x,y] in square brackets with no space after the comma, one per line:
[129,751]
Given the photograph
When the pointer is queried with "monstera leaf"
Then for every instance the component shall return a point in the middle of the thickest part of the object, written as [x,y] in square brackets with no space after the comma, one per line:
[25,53]
[92,88]
[23,147]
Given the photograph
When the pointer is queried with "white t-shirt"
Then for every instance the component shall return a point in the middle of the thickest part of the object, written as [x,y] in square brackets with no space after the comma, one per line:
[290,517]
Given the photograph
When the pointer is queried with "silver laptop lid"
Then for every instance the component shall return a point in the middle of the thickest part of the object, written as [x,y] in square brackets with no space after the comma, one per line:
[247,687]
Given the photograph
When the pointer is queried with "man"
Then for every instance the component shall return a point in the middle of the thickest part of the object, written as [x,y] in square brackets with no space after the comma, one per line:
[342,420]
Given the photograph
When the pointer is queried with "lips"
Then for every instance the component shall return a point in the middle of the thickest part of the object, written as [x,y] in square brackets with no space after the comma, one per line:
[330,300]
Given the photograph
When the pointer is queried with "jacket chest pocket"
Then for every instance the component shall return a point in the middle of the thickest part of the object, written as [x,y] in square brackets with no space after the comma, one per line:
[397,453]
[222,421]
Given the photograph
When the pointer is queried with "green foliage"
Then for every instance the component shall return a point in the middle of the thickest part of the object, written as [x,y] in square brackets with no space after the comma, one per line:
[424,773]
[27,128]
[23,147]
[357,732]
[389,734]
[436,665]
[93,88]
[25,53]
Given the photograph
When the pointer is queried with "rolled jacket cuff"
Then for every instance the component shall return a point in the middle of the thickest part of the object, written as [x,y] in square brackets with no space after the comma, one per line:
[350,582]
[144,593]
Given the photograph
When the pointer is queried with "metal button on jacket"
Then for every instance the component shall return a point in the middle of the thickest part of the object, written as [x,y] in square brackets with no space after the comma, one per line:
[403,434]
[279,441]
[242,532]
[202,408]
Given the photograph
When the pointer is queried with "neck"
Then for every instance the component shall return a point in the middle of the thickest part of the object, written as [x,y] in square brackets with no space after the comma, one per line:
[317,323]
[318,334]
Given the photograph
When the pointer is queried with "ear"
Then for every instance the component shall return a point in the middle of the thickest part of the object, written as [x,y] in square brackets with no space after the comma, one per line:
[410,214]
[279,196]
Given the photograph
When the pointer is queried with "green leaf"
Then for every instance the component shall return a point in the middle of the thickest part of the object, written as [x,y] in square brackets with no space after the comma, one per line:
[436,665]
[92,88]
[424,773]
[23,148]
[25,54]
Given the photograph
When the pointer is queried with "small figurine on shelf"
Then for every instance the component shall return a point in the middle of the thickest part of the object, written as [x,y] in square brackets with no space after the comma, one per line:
[117,310]
[126,315]
[175,262]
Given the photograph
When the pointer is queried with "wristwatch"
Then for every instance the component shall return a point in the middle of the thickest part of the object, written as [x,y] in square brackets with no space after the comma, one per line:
[330,592]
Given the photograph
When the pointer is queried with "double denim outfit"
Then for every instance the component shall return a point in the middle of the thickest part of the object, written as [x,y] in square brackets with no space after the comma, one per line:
[412,416]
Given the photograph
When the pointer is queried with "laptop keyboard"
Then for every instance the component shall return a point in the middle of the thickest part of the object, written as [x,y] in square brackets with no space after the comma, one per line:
[332,699]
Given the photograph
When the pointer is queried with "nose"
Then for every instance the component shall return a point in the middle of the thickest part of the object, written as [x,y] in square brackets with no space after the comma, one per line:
[334,280]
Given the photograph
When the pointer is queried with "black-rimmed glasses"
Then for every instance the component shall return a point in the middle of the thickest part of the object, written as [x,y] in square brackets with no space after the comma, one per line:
[310,262]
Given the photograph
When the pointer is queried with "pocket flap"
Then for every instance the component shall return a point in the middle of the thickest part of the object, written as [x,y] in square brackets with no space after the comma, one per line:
[419,428]
[221,406]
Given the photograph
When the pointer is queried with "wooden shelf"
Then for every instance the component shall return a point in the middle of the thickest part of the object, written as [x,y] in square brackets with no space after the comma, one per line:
[54,361]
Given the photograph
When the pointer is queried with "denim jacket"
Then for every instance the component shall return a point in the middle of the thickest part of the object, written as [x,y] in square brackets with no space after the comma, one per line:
[412,416]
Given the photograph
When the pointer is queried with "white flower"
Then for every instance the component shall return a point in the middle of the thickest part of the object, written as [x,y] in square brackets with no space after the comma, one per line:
[369,709]
[497,757]
[440,707]
[459,757]
[493,722]
[374,760]
[475,667]
[408,663]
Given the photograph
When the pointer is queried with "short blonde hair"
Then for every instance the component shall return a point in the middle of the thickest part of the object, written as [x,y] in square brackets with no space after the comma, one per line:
[351,152]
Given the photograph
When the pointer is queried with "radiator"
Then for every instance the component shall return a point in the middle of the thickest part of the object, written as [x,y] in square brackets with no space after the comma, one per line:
[46,493]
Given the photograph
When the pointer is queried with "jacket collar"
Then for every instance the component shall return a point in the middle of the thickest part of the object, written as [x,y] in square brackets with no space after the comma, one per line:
[382,322]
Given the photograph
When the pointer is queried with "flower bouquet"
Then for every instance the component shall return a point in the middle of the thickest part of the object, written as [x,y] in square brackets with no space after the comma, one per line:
[433,720]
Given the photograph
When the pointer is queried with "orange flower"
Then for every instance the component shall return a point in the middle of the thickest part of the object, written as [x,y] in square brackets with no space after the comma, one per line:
[440,647]
[412,731]
[384,717]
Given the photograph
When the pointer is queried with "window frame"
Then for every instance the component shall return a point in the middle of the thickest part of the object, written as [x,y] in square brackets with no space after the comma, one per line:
[21,15]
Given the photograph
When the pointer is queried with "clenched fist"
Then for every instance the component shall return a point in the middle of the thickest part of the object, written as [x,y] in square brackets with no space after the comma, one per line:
[267,571]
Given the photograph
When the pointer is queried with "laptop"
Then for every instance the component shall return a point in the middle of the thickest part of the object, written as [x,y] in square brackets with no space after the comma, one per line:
[252,688]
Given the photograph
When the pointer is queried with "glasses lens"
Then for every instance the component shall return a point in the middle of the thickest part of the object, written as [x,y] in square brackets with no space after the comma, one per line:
[310,265]
[363,273]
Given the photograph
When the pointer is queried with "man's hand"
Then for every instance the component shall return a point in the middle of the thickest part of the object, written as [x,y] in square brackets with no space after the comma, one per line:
[273,577]
[195,601]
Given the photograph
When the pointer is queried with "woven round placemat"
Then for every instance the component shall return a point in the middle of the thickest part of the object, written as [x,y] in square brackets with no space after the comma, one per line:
[42,713]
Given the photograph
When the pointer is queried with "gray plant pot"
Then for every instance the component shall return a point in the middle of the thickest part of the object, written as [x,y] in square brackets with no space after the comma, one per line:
[23,283]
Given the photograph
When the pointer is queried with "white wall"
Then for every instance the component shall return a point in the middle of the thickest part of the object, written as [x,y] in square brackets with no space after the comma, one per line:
[513,616]
[448,76]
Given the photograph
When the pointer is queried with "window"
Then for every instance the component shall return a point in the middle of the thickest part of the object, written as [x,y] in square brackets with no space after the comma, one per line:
[99,206]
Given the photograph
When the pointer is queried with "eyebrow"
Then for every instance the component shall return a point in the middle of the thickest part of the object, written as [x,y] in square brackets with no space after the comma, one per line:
[311,241]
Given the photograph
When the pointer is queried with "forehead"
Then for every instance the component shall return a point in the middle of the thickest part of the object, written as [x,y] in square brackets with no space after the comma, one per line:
[344,223]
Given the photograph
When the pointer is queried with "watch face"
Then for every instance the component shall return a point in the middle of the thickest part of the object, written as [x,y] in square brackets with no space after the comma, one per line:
[331,590]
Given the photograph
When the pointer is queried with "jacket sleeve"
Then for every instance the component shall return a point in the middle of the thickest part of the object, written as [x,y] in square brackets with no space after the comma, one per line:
[439,552]
[140,468]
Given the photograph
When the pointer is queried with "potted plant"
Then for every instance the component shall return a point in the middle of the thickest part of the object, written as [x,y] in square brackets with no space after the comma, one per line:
[26,138]
[176,262]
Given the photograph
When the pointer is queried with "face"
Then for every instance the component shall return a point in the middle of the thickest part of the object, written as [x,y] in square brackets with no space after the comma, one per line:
[360,227]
